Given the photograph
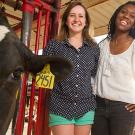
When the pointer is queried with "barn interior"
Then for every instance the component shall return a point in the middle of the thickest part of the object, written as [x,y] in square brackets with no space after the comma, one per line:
[100,12]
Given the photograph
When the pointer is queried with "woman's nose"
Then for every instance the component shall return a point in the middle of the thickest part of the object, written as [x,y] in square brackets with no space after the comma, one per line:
[76,18]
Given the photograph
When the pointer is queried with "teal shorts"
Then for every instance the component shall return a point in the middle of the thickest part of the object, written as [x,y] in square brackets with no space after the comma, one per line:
[86,119]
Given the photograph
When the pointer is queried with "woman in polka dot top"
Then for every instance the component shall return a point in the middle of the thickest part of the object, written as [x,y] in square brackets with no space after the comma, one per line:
[72,104]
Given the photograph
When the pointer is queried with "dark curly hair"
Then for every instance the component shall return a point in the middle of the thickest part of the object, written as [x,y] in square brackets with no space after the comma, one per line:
[111,26]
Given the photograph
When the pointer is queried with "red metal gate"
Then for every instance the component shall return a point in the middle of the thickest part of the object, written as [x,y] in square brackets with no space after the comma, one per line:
[49,10]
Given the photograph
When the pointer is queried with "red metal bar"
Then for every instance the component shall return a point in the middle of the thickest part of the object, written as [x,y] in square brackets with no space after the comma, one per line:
[33,84]
[39,109]
[27,7]
[46,130]
[42,93]
[38,31]
[39,3]
[41,125]
[39,119]
[25,37]
[19,123]
[46,30]
[53,31]
[30,120]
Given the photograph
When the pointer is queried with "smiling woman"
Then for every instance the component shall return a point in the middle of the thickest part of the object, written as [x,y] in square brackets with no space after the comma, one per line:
[72,104]
[114,87]
[76,21]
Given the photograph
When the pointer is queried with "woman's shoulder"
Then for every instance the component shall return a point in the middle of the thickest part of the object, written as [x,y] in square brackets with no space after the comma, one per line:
[104,42]
[91,43]
[93,46]
[134,42]
[53,41]
[56,41]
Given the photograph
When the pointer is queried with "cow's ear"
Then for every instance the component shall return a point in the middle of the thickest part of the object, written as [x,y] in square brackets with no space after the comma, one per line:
[59,66]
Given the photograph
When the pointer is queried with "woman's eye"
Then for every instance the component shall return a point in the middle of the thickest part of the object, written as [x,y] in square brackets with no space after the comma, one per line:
[132,16]
[81,16]
[72,15]
[123,11]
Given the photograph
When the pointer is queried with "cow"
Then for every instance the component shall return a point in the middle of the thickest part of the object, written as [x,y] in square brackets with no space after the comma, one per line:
[16,58]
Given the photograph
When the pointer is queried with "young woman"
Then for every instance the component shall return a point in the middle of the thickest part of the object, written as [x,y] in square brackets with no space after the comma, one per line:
[72,104]
[115,80]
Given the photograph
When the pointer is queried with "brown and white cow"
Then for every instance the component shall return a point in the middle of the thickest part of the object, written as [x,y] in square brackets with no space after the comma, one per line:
[16,58]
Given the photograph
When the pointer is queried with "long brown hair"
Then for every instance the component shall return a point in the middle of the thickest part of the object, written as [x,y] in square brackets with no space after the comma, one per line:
[64,31]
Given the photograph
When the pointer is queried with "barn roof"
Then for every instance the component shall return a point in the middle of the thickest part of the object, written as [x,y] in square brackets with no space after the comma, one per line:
[99,10]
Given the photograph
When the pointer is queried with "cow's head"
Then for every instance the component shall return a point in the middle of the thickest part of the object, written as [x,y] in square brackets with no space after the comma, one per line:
[16,58]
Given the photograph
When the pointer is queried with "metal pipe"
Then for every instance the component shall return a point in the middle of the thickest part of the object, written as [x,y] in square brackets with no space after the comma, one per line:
[38,120]
[42,111]
[45,128]
[20,120]
[25,37]
[30,120]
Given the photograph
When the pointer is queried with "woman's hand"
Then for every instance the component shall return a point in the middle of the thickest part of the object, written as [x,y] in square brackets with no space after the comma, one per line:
[130,107]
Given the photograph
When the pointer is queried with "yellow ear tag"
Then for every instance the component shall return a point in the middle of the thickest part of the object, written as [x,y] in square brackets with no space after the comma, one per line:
[45,79]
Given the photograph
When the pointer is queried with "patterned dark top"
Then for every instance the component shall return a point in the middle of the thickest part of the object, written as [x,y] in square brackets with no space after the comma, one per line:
[73,97]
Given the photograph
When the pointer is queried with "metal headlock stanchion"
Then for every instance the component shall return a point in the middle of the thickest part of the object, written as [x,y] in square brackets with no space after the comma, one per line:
[47,11]
[25,37]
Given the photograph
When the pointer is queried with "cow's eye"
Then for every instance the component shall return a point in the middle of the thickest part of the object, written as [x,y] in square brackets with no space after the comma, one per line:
[17,73]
